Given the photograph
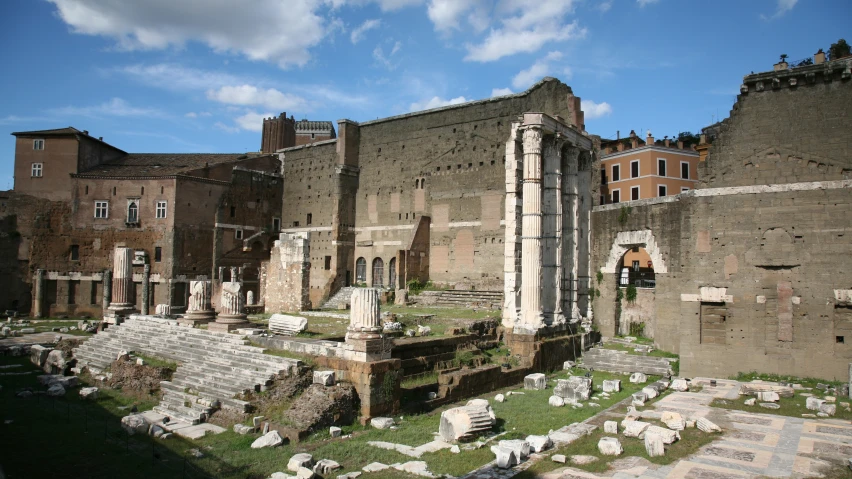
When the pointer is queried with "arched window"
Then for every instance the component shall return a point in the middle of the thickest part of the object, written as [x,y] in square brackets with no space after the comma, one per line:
[416,184]
[361,270]
[132,212]
[392,273]
[378,273]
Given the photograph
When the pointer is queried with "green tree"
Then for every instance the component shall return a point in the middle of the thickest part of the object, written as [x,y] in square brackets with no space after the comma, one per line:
[839,50]
[784,57]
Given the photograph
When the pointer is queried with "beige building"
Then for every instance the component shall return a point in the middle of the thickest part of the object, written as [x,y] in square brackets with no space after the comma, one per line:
[635,170]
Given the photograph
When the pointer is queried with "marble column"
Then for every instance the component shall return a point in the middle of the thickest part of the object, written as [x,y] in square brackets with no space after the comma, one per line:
[531,314]
[38,294]
[200,309]
[570,234]
[122,286]
[364,334]
[551,268]
[146,288]
[106,283]
[232,309]
[511,253]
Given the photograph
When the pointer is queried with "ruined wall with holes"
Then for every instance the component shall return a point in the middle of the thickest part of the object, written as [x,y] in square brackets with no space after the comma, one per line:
[446,164]
[756,255]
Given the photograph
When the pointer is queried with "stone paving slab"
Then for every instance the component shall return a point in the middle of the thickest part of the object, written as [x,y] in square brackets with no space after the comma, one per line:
[198,431]
[37,338]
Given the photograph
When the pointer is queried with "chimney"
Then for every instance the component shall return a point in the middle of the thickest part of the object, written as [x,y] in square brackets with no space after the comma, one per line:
[819,57]
[679,145]
[703,139]
[620,146]
[617,134]
[85,132]
[649,140]
[634,142]
[668,143]
[101,138]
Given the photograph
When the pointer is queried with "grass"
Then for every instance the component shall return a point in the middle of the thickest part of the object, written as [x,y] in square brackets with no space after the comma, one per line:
[792,407]
[419,380]
[805,382]
[282,353]
[46,325]
[228,455]
[156,362]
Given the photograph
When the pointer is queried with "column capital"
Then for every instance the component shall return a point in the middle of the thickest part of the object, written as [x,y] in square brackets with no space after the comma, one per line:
[532,139]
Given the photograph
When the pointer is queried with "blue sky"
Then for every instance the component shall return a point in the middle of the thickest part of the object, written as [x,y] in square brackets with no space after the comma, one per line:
[199,75]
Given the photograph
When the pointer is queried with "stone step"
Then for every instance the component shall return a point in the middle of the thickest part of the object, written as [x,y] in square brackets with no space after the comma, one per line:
[228,388]
[227,402]
[174,401]
[182,414]
[263,380]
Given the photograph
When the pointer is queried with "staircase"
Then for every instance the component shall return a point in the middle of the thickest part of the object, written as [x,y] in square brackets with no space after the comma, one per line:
[340,298]
[463,298]
[213,368]
[610,360]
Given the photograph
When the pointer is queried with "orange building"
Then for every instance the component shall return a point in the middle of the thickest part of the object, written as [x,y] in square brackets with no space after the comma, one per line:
[635,170]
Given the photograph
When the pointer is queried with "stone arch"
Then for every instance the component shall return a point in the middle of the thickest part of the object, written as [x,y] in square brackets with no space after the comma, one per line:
[630,239]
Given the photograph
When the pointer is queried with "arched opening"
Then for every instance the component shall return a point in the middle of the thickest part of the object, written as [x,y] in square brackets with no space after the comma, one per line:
[392,273]
[636,268]
[635,309]
[361,270]
[378,273]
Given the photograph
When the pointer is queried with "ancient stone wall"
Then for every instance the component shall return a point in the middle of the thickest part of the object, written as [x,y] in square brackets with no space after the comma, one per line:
[288,273]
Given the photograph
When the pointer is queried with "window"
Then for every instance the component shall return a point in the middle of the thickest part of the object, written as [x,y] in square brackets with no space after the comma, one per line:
[101,209]
[635,265]
[133,211]
[161,209]
[392,272]
[712,319]
[295,224]
[276,224]
[603,176]
[38,144]
[661,190]
[233,211]
[327,263]
[361,270]
[616,172]
[313,135]
[309,219]
[75,252]
[661,166]
[634,169]
[684,170]
[37,169]
[634,193]
[158,254]
[683,189]
[378,273]
[616,196]
[238,234]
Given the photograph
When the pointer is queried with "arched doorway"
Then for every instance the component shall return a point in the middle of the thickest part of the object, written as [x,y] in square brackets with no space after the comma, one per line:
[378,273]
[361,270]
[635,311]
[392,273]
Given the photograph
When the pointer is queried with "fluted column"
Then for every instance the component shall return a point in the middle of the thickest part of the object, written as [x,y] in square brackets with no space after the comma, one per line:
[200,308]
[570,234]
[511,253]
[551,269]
[38,294]
[146,288]
[107,289]
[232,304]
[364,334]
[531,315]
[122,278]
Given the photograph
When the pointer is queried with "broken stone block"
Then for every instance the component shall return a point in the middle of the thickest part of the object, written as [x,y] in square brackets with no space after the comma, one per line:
[242,429]
[830,399]
[650,392]
[751,389]
[535,381]
[305,473]
[830,409]
[455,449]
[539,443]
[350,475]
[706,425]
[375,467]
[610,446]
[325,466]
[464,423]
[559,458]
[335,431]
[611,385]
[568,364]
[638,378]
[56,390]
[505,457]
[680,385]
[813,403]
[324,378]
[424,330]
[38,355]
[673,421]
[89,393]
[499,398]
[750,402]
[270,439]
[668,436]
[287,325]
[654,445]
[135,423]
[634,428]
[770,405]
[382,422]
[768,396]
[610,427]
[556,401]
[575,388]
[582,460]
[56,362]
[520,446]
[26,331]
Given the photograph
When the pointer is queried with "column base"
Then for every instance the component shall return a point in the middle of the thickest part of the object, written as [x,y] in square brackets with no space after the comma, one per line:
[117,313]
[227,327]
[366,347]
[197,317]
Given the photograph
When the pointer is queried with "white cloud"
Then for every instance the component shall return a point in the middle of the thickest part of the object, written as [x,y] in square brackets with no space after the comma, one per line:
[226,128]
[501,92]
[114,107]
[191,114]
[783,7]
[396,47]
[539,69]
[526,27]
[645,3]
[381,59]
[393,5]
[252,121]
[446,14]
[358,34]
[604,6]
[248,95]
[270,30]
[435,102]
[592,110]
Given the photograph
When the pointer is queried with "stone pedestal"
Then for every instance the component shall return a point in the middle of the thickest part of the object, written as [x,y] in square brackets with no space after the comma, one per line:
[232,314]
[200,309]
[121,305]
[364,334]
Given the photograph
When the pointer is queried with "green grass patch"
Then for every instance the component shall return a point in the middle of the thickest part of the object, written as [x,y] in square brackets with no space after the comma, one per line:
[282,353]
[419,380]
[155,361]
[792,407]
[805,382]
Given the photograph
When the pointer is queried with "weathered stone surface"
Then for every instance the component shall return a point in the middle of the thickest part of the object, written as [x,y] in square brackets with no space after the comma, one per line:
[417,468]
[505,457]
[56,363]
[350,475]
[750,402]
[242,429]
[610,427]
[539,443]
[424,330]
[680,385]
[575,388]
[305,473]
[287,325]
[464,423]
[654,445]
[56,390]
[89,393]
[706,425]
[829,409]
[535,381]
[568,364]
[770,405]
[611,385]
[610,446]
[814,403]
[582,460]
[375,467]
[382,422]
[560,458]
[322,406]
[638,378]
[768,396]
[270,439]
[668,436]
[634,428]
[556,401]
[335,431]
[300,460]
[673,421]
[650,392]
[135,424]
[324,378]
[499,398]
[38,355]
[751,389]
[520,446]
[67,382]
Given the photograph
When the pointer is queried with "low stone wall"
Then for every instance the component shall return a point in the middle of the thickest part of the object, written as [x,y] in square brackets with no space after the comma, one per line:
[377,383]
[643,310]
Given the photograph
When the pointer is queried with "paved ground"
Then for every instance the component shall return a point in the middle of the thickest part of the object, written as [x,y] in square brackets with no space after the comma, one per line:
[752,444]
[30,339]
